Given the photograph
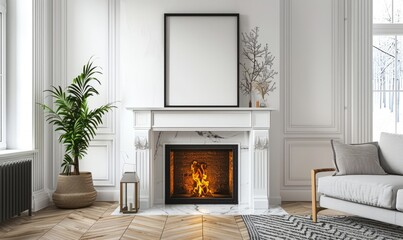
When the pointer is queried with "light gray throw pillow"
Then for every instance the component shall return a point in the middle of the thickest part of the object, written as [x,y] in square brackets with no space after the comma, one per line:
[391,152]
[356,159]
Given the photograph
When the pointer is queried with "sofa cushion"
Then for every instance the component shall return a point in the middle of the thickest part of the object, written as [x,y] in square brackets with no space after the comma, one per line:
[362,159]
[399,200]
[374,190]
[391,152]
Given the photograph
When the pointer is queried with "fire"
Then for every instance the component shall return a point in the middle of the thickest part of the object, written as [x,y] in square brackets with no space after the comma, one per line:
[199,175]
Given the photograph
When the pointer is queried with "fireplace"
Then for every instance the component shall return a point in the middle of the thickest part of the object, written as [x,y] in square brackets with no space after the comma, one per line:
[179,125]
[196,174]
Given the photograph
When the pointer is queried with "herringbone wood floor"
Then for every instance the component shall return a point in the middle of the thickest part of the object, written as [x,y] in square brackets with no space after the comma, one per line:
[96,222]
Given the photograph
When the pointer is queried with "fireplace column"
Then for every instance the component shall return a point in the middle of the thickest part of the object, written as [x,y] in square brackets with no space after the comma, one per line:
[143,156]
[259,154]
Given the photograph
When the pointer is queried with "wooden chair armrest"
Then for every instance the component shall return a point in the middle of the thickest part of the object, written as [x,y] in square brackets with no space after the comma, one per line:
[318,170]
[315,208]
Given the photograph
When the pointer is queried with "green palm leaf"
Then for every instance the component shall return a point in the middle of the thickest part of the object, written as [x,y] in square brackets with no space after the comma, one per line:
[72,117]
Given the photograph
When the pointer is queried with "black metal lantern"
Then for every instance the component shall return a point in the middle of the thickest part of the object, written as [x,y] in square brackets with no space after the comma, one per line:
[129,193]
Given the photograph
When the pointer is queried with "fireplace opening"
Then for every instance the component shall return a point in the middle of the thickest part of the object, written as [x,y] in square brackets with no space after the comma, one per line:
[196,174]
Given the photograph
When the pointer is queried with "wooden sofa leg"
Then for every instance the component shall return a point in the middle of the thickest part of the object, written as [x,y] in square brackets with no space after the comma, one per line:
[315,208]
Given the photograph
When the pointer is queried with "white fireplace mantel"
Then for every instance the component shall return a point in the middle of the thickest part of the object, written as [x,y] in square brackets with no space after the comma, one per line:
[256,121]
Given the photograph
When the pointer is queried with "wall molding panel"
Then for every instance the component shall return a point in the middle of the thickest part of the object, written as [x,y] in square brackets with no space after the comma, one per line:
[109,126]
[66,31]
[294,124]
[313,73]
[107,160]
[303,154]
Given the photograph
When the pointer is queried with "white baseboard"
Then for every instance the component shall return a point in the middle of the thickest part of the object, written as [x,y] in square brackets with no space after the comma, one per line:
[275,201]
[295,195]
[108,195]
[40,200]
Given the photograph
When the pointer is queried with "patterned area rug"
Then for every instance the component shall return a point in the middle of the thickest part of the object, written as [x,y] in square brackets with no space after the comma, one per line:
[298,227]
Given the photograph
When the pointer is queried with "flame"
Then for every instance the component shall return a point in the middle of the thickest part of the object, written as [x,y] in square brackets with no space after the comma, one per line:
[199,175]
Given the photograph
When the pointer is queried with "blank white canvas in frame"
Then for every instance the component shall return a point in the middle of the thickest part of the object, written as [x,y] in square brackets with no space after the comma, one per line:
[202,63]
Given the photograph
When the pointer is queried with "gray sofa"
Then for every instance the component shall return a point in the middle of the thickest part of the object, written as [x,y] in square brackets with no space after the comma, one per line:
[378,197]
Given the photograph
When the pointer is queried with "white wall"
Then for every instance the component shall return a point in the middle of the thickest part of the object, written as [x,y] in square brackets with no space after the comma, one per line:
[312,75]
[312,96]
[142,50]
[19,74]
[326,66]
[142,41]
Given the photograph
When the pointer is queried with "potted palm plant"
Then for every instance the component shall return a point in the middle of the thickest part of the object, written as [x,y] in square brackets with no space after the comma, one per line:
[77,124]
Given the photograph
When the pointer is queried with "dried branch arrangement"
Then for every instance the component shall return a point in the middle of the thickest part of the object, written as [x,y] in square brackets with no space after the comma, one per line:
[257,69]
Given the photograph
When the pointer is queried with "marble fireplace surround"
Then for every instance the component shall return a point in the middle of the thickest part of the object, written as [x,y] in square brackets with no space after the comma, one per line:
[254,123]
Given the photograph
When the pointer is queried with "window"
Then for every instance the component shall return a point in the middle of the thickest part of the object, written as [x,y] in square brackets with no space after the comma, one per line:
[387,67]
[2,77]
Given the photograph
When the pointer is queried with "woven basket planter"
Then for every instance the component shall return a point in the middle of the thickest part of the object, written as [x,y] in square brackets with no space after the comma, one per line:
[74,191]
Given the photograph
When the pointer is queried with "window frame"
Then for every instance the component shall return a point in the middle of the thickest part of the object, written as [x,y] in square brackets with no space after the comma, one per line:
[393,30]
[3,54]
